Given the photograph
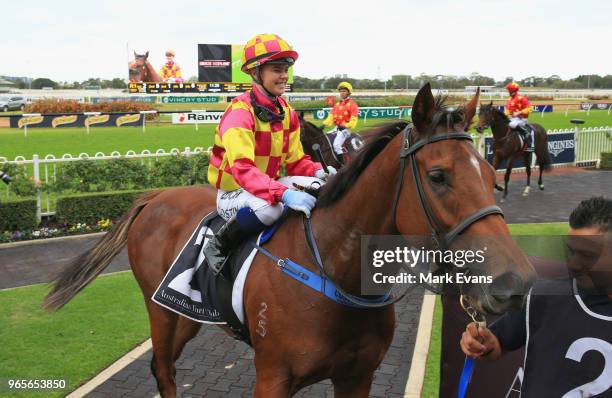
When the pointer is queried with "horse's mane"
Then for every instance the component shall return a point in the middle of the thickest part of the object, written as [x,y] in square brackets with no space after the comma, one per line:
[496,112]
[378,138]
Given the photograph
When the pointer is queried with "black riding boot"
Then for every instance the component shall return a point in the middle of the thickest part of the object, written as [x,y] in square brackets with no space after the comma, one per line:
[217,249]
[340,157]
[526,133]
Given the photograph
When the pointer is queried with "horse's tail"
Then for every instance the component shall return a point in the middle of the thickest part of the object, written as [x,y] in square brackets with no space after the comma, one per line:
[544,159]
[90,264]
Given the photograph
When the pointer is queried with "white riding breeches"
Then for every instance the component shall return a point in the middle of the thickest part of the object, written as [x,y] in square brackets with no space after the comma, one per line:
[517,121]
[341,136]
[229,202]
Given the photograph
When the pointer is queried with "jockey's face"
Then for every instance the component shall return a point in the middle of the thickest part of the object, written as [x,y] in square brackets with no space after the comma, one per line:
[169,59]
[274,78]
[343,93]
[589,259]
[512,93]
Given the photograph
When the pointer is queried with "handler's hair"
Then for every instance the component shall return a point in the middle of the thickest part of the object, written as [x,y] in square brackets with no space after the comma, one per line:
[593,212]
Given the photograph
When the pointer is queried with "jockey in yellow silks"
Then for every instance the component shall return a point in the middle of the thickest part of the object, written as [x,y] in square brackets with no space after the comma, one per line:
[171,72]
[258,134]
[344,117]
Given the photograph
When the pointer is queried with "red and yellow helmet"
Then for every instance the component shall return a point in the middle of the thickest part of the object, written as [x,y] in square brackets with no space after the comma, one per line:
[345,85]
[264,48]
[512,87]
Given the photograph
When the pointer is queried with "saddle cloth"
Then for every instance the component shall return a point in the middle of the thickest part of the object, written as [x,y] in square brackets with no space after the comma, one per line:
[351,145]
[522,138]
[191,289]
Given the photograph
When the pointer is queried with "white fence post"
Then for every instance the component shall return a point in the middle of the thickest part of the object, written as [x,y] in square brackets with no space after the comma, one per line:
[87,114]
[481,144]
[36,167]
[144,118]
[25,125]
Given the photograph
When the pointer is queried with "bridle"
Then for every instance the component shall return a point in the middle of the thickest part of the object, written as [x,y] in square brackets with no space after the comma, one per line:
[441,238]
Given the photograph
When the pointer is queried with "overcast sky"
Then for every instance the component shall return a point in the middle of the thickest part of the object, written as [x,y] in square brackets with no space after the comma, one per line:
[75,40]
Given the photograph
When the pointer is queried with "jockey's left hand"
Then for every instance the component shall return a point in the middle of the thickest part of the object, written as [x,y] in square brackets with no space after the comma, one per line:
[322,175]
[516,114]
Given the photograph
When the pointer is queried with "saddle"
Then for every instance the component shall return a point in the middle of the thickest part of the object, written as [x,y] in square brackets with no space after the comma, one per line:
[191,289]
[351,145]
[522,133]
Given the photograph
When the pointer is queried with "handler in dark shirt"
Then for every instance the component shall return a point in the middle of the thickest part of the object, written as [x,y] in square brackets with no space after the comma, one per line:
[568,337]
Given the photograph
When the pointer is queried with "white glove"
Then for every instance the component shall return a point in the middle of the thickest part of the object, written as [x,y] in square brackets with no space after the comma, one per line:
[322,175]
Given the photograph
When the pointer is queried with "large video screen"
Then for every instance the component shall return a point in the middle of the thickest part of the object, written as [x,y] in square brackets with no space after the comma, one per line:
[218,72]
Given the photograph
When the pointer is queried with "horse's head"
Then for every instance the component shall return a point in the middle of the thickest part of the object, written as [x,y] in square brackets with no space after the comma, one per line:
[485,117]
[140,59]
[453,187]
[311,134]
[308,130]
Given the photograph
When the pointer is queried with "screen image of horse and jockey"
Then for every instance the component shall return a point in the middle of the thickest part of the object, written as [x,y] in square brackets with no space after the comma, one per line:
[218,66]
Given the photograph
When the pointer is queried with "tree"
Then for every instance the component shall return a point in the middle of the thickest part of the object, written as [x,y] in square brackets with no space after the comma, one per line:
[41,82]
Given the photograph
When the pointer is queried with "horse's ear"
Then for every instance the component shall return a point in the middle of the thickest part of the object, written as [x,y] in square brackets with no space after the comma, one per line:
[147,55]
[301,115]
[135,55]
[423,108]
[491,103]
[470,109]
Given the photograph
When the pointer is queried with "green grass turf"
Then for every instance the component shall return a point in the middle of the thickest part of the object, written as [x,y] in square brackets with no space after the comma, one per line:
[167,136]
[74,141]
[431,383]
[101,324]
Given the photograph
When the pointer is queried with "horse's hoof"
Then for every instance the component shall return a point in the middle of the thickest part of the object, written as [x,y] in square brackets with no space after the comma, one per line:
[502,200]
[526,191]
[499,188]
[541,187]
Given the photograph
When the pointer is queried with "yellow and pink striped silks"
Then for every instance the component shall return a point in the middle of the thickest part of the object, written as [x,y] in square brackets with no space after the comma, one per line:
[248,153]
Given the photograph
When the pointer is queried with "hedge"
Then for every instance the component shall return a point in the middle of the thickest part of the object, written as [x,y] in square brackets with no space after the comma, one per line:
[18,215]
[92,208]
[606,160]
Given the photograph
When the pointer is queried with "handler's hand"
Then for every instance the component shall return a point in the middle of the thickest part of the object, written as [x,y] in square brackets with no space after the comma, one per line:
[478,342]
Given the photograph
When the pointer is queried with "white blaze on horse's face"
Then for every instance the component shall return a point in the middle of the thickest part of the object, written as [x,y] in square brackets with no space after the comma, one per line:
[476,163]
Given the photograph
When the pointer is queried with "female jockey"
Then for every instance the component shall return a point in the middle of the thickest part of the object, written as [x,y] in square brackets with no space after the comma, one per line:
[344,116]
[258,134]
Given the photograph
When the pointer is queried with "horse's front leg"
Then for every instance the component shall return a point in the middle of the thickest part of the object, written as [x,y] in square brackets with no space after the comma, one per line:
[507,177]
[353,387]
[496,161]
[527,161]
[272,383]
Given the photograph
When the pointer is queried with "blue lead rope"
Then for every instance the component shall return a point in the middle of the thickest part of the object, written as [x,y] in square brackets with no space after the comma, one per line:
[466,375]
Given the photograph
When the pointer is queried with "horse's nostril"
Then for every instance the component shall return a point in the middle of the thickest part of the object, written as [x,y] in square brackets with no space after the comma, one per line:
[506,286]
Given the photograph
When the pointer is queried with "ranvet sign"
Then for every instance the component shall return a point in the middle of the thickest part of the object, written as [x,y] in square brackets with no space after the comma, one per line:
[197,117]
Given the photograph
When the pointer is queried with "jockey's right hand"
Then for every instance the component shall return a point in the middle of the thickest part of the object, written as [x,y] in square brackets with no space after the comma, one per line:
[299,201]
[322,127]
[322,175]
[479,342]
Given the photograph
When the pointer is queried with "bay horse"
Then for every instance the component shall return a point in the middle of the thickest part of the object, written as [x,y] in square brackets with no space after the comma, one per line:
[141,69]
[507,145]
[299,335]
[311,134]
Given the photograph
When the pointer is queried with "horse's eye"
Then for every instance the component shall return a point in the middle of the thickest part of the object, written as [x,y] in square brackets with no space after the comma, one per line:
[437,177]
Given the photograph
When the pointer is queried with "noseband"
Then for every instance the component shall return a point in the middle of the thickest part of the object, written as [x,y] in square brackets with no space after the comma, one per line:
[441,238]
